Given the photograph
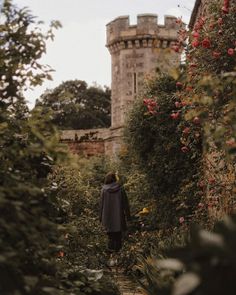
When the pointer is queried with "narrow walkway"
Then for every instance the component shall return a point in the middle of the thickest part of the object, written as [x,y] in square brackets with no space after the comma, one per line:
[125,284]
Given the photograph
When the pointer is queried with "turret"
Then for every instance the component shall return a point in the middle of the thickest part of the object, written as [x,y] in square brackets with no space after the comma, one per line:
[138,50]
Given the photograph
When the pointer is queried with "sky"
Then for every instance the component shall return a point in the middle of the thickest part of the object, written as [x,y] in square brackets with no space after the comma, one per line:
[78,51]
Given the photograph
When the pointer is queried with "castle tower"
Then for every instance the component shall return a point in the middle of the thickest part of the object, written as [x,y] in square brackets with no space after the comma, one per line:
[138,50]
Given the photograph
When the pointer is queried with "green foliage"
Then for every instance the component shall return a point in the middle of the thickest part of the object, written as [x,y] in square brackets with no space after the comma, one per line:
[75,189]
[31,219]
[28,150]
[155,142]
[205,265]
[211,75]
[77,192]
[74,105]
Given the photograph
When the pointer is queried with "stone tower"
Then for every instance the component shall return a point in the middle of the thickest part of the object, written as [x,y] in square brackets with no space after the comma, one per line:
[138,50]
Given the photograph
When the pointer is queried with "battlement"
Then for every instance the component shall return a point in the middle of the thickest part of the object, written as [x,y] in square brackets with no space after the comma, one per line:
[147,26]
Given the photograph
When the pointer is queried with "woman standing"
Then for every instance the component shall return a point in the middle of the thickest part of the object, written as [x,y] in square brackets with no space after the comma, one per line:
[114,211]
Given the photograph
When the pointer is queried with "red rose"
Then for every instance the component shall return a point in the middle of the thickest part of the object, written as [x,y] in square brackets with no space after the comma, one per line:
[216,54]
[220,21]
[206,43]
[195,43]
[200,205]
[178,104]
[226,3]
[230,51]
[189,88]
[179,84]
[184,149]
[225,10]
[181,220]
[195,34]
[230,142]
[186,130]
[175,116]
[176,48]
[193,65]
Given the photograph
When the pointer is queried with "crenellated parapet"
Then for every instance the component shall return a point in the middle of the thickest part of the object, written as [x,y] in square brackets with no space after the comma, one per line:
[146,33]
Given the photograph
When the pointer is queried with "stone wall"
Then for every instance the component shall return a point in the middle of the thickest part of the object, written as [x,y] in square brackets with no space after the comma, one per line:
[93,142]
[200,9]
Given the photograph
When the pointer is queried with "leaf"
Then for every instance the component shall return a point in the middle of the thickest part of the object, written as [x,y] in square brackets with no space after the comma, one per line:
[208,238]
[186,284]
[172,264]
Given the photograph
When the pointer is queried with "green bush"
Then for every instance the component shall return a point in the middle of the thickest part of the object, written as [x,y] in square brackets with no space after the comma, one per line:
[205,265]
[76,189]
[154,137]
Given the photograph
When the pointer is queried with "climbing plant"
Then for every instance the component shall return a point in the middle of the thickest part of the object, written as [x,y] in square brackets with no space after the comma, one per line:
[154,136]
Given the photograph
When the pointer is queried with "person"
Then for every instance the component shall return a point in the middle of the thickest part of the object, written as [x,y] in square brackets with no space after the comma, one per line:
[114,211]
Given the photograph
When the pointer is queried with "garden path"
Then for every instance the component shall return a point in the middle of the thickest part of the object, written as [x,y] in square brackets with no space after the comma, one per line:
[126,285]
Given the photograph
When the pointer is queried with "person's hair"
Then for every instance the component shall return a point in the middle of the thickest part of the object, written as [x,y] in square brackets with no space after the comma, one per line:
[110,178]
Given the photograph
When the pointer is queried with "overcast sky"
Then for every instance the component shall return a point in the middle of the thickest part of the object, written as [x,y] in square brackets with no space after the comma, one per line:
[79,51]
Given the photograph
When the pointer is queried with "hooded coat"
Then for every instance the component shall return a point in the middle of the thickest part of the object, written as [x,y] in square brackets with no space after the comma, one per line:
[114,208]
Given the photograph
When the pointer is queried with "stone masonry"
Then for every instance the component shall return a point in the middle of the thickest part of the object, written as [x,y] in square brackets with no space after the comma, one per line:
[137,51]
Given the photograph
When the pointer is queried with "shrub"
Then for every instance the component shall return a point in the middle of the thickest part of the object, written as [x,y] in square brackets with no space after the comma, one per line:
[154,136]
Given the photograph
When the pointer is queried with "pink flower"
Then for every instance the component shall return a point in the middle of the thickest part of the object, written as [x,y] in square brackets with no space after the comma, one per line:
[230,51]
[230,142]
[178,104]
[181,220]
[175,116]
[186,130]
[220,21]
[179,84]
[200,205]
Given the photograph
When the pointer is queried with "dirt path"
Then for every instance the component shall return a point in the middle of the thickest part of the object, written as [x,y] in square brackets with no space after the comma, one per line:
[125,284]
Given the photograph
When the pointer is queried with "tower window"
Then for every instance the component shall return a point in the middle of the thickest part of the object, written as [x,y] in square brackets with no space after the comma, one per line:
[135,83]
